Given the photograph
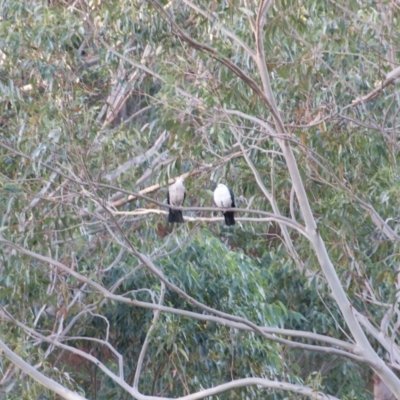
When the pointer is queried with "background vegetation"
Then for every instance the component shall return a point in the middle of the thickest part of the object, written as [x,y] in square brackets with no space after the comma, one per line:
[293,104]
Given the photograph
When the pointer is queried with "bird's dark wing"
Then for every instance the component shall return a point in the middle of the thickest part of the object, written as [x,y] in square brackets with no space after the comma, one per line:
[184,198]
[232,197]
[168,197]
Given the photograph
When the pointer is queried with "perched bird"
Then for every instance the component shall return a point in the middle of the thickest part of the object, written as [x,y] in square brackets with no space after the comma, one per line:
[224,198]
[175,197]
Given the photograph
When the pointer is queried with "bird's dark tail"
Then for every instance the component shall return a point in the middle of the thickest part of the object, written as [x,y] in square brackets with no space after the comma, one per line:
[229,218]
[175,216]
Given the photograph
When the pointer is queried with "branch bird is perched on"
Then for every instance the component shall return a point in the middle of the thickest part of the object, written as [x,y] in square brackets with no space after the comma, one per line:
[175,197]
[224,198]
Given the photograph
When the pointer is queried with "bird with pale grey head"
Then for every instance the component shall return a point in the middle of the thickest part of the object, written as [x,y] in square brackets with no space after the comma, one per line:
[175,197]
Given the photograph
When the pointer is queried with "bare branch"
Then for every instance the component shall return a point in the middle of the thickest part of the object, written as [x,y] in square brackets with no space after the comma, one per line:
[391,77]
[271,217]
[380,336]
[262,64]
[288,241]
[146,341]
[266,383]
[233,322]
[304,390]
[217,56]
[376,218]
[38,376]
[224,30]
[139,159]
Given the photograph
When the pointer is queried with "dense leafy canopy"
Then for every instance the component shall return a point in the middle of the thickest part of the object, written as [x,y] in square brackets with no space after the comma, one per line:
[103,104]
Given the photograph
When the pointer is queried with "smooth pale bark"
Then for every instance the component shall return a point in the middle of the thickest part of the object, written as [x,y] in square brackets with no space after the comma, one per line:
[228,320]
[69,395]
[38,376]
[316,241]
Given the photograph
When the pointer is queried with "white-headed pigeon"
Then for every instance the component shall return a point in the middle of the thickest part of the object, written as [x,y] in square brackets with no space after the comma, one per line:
[224,198]
[175,197]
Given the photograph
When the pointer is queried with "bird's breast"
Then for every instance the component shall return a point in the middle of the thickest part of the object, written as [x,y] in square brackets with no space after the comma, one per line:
[176,197]
[222,199]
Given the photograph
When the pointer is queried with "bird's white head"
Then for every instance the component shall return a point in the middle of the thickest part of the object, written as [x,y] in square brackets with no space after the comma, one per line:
[179,180]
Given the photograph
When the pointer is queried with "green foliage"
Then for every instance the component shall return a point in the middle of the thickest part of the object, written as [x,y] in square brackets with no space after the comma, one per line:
[59,146]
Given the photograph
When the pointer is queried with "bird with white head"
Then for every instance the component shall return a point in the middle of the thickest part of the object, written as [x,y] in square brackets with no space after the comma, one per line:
[175,197]
[224,198]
